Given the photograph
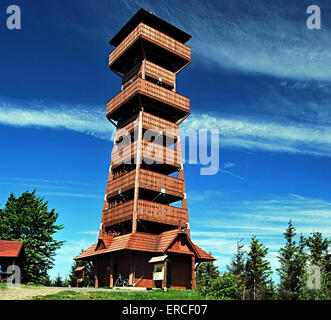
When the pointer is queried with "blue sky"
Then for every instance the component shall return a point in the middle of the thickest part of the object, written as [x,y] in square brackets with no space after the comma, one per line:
[257,74]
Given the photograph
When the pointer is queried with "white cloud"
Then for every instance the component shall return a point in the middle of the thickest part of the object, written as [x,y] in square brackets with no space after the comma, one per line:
[242,133]
[228,221]
[267,37]
[267,217]
[76,119]
[261,135]
[53,187]
[229,165]
[71,194]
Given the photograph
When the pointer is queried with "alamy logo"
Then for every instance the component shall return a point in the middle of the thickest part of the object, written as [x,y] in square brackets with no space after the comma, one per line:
[12,276]
[14,20]
[314,20]
[314,278]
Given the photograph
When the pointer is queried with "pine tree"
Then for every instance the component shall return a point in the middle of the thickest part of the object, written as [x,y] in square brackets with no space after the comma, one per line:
[257,272]
[206,273]
[58,282]
[290,269]
[224,287]
[237,265]
[47,281]
[318,247]
[302,259]
[318,256]
[237,268]
[28,219]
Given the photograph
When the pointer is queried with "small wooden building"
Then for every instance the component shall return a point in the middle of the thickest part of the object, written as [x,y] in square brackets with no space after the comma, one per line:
[133,256]
[11,253]
[143,237]
[80,275]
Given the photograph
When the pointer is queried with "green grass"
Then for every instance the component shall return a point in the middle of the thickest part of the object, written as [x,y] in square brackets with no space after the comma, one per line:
[125,295]
[4,285]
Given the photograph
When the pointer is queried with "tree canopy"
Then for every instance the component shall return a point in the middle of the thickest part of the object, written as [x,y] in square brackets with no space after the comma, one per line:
[27,218]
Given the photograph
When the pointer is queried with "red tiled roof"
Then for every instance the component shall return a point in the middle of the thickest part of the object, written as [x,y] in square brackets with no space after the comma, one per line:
[203,255]
[10,248]
[143,242]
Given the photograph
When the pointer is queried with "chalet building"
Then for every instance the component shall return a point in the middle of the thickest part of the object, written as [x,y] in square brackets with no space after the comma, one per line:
[11,253]
[143,238]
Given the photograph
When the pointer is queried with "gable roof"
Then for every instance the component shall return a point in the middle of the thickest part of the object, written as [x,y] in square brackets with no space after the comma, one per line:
[144,242]
[10,249]
[203,255]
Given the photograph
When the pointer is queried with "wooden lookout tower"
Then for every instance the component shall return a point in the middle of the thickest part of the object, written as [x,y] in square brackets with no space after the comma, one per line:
[143,238]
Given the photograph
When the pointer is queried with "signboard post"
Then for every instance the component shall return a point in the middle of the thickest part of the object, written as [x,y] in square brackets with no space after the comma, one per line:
[158,271]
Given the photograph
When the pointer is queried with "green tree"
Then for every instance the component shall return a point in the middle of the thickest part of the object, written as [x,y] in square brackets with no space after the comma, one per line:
[318,247]
[225,286]
[237,269]
[290,265]
[237,264]
[257,273]
[27,218]
[58,282]
[205,274]
[318,256]
[47,281]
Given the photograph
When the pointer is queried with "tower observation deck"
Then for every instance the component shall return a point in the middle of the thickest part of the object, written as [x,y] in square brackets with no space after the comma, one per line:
[145,233]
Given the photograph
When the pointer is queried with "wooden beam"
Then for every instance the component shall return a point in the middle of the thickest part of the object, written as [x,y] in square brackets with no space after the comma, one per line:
[96,284]
[180,121]
[164,282]
[111,276]
[112,122]
[131,271]
[138,163]
[193,273]
[181,176]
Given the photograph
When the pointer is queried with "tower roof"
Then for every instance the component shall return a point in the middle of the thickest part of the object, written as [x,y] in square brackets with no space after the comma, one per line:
[153,21]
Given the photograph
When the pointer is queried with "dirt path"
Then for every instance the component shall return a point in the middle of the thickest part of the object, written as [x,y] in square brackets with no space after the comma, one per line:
[27,293]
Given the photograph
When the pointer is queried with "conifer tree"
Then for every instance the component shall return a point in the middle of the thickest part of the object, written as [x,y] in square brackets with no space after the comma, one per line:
[58,282]
[290,269]
[237,268]
[318,247]
[257,272]
[237,265]
[206,273]
[318,256]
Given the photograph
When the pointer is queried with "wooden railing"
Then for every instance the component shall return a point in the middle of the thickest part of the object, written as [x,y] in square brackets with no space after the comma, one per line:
[151,70]
[151,153]
[148,180]
[168,128]
[151,90]
[147,210]
[150,122]
[119,213]
[123,183]
[152,35]
[157,212]
[161,183]
[154,71]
